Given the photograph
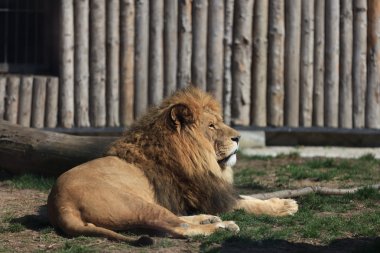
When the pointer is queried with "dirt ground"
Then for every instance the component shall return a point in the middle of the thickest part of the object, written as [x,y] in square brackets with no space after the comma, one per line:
[27,207]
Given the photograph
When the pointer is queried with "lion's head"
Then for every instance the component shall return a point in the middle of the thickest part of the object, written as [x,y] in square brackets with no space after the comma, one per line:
[195,115]
[181,144]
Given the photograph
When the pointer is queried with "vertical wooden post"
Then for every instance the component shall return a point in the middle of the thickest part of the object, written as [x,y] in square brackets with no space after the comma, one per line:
[156,88]
[373,54]
[112,59]
[199,52]
[97,63]
[127,60]
[81,63]
[276,63]
[25,104]
[307,61]
[215,49]
[319,48]
[227,78]
[38,102]
[66,74]
[51,108]
[345,63]
[241,62]
[12,98]
[141,56]
[3,83]
[184,43]
[170,45]
[259,64]
[359,71]
[292,61]
[331,64]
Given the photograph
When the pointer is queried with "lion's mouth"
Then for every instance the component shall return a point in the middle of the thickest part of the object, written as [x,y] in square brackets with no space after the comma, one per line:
[225,160]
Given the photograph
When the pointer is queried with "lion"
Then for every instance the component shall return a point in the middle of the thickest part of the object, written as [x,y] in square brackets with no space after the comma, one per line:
[171,172]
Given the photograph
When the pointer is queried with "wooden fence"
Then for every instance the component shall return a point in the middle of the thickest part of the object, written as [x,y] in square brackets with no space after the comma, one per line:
[29,100]
[269,62]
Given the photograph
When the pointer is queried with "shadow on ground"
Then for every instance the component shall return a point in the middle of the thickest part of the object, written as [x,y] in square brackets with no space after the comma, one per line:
[34,222]
[40,221]
[235,244]
[355,245]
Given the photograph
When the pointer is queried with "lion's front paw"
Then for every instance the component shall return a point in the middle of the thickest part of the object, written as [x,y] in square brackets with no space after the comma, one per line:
[207,219]
[228,225]
[201,219]
[188,230]
[291,206]
[283,207]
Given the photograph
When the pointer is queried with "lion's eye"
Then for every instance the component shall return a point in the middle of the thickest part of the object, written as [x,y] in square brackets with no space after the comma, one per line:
[211,125]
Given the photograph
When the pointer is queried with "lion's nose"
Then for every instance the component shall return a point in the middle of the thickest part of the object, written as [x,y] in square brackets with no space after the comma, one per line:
[236,139]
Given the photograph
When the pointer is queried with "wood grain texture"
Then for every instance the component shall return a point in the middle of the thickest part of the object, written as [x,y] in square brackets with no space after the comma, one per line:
[215,49]
[227,76]
[112,62]
[12,99]
[45,152]
[141,56]
[319,64]
[260,64]
[241,62]
[292,62]
[25,101]
[276,42]
[307,63]
[3,83]
[345,64]
[127,61]
[184,43]
[51,110]
[373,58]
[359,71]
[199,50]
[331,91]
[98,63]
[38,102]
[170,45]
[66,64]
[156,60]
[81,63]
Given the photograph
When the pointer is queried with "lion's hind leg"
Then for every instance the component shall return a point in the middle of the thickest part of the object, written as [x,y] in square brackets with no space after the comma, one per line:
[72,224]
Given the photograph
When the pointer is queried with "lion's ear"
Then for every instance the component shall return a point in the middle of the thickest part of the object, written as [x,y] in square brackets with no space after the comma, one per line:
[181,115]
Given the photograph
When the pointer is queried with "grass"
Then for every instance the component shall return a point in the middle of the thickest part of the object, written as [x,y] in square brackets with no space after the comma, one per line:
[363,169]
[9,226]
[75,247]
[30,181]
[321,219]
[246,179]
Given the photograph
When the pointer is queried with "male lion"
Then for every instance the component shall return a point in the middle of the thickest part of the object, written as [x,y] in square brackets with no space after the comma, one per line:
[175,161]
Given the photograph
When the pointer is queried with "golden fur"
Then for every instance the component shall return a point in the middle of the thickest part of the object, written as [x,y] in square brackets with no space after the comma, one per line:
[175,161]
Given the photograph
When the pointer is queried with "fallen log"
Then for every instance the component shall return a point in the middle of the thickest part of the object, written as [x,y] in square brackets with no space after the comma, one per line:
[27,150]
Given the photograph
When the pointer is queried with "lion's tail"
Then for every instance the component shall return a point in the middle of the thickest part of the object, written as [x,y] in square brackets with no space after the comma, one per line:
[74,226]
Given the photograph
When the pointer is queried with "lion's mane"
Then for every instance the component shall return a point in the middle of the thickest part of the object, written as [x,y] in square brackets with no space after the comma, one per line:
[180,165]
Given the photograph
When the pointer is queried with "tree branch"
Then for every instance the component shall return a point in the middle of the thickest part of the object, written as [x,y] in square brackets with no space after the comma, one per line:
[308,190]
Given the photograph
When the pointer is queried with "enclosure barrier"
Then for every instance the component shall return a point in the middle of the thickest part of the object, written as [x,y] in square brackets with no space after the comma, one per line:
[30,101]
[297,63]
